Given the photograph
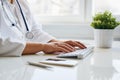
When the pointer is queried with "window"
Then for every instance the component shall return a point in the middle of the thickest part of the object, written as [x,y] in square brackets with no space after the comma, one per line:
[111,5]
[52,12]
[62,11]
[71,11]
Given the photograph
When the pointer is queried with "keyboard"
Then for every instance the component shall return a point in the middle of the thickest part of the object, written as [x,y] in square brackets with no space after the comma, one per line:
[80,54]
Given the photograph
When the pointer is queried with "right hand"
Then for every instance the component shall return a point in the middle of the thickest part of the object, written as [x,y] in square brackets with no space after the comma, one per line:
[57,47]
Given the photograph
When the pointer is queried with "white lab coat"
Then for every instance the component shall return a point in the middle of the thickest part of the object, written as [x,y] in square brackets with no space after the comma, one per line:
[12,39]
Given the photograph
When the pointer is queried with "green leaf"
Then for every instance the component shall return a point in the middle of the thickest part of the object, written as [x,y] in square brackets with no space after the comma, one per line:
[104,20]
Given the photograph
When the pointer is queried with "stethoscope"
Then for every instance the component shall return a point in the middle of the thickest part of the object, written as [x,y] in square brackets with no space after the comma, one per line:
[28,34]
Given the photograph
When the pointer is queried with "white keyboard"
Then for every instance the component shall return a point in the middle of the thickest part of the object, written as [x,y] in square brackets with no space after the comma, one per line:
[80,54]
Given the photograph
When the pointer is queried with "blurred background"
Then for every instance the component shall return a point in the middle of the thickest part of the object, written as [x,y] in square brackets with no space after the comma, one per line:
[70,19]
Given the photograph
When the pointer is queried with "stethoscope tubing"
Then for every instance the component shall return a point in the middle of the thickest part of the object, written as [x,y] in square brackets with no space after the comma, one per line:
[29,34]
[23,15]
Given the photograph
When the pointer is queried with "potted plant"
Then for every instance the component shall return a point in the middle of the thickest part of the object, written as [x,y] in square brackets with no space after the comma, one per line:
[104,24]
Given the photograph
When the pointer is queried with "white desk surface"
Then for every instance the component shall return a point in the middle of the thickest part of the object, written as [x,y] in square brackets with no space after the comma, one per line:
[103,64]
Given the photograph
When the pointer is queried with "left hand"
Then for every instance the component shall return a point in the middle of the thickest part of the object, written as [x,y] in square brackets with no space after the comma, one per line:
[75,44]
[72,43]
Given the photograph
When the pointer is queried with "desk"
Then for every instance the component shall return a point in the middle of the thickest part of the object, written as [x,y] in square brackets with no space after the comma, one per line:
[103,64]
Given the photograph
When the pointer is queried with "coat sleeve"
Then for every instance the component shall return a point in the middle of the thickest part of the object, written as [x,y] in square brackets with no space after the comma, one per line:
[11,42]
[11,47]
[39,34]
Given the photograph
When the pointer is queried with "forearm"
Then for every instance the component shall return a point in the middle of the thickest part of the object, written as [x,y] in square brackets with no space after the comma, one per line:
[32,48]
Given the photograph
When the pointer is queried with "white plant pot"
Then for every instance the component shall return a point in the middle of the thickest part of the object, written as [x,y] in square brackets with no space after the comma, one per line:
[103,38]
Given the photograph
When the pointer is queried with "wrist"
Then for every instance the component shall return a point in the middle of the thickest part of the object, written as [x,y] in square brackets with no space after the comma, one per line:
[42,47]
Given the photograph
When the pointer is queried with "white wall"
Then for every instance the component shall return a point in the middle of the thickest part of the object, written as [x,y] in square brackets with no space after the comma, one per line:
[74,31]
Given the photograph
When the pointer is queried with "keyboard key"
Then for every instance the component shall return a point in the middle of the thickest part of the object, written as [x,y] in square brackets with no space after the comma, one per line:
[81,53]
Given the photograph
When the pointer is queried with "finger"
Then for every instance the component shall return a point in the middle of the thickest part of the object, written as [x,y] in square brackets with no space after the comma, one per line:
[69,42]
[71,47]
[76,44]
[81,44]
[61,49]
[67,47]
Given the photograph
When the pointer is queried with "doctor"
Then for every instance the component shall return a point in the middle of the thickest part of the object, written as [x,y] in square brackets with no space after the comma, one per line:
[21,35]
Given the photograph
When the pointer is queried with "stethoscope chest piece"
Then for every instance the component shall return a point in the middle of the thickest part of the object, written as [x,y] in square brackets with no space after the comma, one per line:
[29,35]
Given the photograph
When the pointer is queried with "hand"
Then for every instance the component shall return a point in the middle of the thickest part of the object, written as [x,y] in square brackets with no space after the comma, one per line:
[72,43]
[57,47]
[75,44]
